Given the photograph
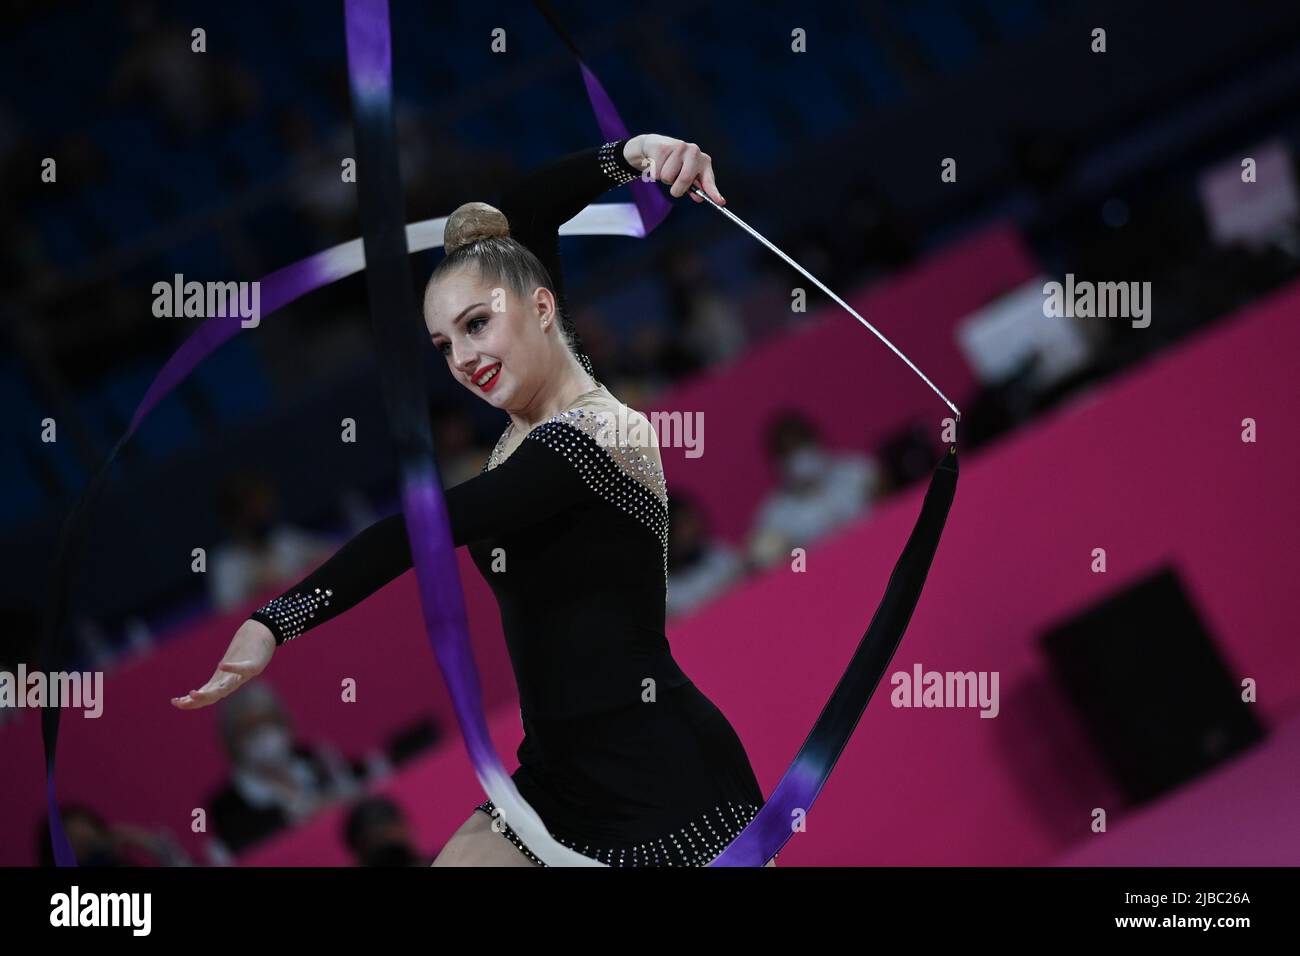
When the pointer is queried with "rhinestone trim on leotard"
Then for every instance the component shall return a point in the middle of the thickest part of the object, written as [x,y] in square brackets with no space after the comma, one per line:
[619,472]
[695,844]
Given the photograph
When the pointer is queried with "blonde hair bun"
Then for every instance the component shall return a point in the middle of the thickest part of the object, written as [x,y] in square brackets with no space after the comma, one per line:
[471,222]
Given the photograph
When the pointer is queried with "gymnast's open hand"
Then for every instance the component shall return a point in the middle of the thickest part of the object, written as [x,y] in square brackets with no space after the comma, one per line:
[249,652]
[675,162]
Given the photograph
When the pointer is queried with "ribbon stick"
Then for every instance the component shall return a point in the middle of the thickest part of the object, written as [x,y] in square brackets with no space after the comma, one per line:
[818,282]
[799,787]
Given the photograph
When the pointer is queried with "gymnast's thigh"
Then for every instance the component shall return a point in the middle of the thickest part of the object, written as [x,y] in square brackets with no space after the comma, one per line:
[477,844]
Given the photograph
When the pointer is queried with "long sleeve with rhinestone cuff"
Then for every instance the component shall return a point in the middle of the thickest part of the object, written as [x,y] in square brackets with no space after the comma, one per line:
[546,198]
[535,483]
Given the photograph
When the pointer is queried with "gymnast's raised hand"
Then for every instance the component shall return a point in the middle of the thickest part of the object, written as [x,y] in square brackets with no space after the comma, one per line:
[249,652]
[676,162]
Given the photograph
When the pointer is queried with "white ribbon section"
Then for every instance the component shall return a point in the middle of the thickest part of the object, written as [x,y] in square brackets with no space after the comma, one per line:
[605,219]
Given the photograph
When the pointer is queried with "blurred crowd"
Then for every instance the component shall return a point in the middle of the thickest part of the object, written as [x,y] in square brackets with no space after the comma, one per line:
[274,781]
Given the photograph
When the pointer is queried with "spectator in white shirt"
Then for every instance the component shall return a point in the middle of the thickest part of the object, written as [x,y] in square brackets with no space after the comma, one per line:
[820,491]
[262,551]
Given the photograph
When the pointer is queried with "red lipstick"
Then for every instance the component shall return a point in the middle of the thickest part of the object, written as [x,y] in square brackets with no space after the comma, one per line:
[491,384]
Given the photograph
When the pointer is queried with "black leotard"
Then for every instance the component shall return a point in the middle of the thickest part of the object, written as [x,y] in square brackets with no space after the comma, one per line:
[623,757]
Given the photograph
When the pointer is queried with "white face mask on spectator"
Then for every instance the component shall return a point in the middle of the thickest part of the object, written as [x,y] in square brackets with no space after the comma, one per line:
[805,465]
[267,746]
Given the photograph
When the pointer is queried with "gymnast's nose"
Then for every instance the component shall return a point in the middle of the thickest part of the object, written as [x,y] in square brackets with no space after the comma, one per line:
[464,358]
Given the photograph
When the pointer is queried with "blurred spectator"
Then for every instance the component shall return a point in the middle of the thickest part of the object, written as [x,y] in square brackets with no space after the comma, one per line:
[602,347]
[707,327]
[273,782]
[805,242]
[404,744]
[652,360]
[318,188]
[81,160]
[96,842]
[328,201]
[262,551]
[699,566]
[906,456]
[870,236]
[377,833]
[195,91]
[25,262]
[818,493]
[1043,158]
[459,455]
[100,643]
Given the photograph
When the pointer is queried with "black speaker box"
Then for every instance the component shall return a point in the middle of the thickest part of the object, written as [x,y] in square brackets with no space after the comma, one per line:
[1150,687]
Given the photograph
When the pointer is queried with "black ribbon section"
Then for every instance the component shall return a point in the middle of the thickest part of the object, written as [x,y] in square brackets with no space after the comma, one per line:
[885,632]
[53,647]
[799,787]
[395,318]
[545,9]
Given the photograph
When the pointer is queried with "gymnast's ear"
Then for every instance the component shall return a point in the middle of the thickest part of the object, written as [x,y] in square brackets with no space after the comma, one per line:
[473,221]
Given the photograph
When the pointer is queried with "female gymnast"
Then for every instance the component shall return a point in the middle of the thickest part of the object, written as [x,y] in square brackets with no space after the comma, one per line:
[623,758]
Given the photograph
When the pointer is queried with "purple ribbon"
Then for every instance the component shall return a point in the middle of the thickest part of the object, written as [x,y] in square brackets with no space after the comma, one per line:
[434,553]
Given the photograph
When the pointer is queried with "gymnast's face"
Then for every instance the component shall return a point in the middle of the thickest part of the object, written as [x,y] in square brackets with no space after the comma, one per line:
[494,342]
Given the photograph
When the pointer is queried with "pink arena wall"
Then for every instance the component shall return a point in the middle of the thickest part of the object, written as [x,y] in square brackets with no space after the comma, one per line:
[1152,468]
[147,762]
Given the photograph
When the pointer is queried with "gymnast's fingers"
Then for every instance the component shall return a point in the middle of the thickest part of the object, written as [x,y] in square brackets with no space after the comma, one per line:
[218,686]
[692,164]
[242,668]
[707,183]
[669,169]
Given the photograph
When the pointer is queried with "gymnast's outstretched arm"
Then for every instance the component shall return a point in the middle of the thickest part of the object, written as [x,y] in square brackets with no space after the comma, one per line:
[534,483]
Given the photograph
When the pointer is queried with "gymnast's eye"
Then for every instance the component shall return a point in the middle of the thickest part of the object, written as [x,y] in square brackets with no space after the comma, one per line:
[443,346]
[478,318]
